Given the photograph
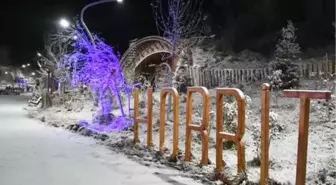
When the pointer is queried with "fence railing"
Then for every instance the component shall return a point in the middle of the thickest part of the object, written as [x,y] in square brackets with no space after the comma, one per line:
[221,77]
[323,66]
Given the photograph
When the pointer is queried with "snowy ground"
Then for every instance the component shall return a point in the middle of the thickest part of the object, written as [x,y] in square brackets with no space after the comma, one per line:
[321,163]
[34,154]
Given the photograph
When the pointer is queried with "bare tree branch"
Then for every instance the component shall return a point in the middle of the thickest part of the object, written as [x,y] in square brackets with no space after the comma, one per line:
[179,20]
[57,48]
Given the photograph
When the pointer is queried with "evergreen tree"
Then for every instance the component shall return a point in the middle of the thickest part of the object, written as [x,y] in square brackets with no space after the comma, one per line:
[287,56]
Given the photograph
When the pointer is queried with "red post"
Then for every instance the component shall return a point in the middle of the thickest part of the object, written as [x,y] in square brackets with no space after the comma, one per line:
[265,103]
[305,96]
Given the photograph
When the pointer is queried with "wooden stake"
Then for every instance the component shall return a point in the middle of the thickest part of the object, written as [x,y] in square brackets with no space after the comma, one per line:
[305,96]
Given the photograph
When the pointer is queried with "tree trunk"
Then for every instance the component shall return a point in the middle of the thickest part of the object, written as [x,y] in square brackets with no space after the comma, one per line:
[96,95]
[46,99]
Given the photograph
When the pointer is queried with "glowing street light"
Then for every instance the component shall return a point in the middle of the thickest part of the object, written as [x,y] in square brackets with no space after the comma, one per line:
[39,54]
[64,23]
[33,74]
[6,73]
[23,66]
[28,64]
[119,1]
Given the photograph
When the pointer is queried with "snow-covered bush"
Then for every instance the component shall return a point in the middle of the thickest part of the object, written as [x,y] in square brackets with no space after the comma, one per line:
[275,80]
[230,116]
[276,84]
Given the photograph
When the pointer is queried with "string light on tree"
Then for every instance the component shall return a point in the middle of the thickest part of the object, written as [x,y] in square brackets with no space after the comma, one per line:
[98,66]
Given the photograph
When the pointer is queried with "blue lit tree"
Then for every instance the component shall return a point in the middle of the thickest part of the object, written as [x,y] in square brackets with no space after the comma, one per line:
[98,66]
[74,59]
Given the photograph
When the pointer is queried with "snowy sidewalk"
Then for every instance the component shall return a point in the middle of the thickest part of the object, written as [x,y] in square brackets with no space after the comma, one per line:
[34,154]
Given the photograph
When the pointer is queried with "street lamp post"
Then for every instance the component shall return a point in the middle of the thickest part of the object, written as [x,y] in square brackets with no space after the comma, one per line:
[82,16]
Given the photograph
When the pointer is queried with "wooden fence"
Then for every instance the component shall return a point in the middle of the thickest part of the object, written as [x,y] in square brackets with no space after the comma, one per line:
[220,77]
[324,66]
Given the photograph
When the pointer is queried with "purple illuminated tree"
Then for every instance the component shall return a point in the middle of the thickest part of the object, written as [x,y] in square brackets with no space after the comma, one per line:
[98,66]
[75,60]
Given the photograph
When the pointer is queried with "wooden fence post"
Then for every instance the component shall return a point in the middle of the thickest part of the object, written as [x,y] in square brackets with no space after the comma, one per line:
[238,136]
[148,121]
[265,108]
[200,128]
[163,97]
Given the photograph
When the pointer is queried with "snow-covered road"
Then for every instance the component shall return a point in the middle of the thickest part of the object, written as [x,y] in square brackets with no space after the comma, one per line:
[34,154]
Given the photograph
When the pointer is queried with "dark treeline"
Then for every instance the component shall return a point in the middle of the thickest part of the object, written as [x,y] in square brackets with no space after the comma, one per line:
[255,25]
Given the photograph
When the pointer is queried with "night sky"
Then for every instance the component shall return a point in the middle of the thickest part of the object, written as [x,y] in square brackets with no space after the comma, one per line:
[24,23]
[242,24]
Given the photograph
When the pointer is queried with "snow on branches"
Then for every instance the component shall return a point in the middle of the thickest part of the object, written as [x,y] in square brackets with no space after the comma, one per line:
[57,48]
[60,47]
